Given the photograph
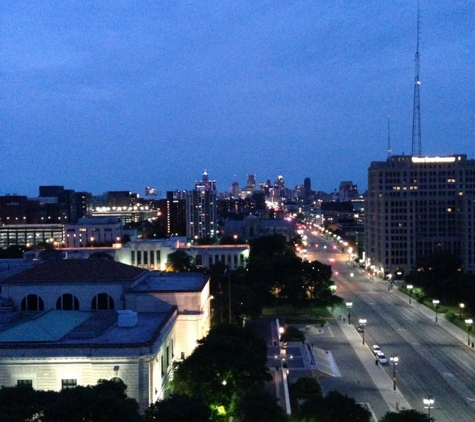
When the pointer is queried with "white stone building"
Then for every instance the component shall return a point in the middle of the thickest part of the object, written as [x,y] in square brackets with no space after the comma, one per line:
[72,322]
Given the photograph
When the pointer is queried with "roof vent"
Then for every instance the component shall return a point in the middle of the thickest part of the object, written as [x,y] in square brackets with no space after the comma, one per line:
[127,318]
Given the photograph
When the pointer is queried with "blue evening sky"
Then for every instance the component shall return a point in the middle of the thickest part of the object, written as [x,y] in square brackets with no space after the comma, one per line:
[116,95]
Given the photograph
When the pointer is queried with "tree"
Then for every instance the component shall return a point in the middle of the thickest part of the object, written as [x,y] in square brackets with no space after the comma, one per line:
[260,406]
[317,280]
[177,408]
[106,401]
[179,262]
[227,363]
[439,275]
[335,407]
[407,415]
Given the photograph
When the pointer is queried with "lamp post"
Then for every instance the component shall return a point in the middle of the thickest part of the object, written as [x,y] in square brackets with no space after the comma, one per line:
[394,360]
[469,323]
[436,302]
[428,404]
[461,306]
[409,288]
[349,305]
[362,322]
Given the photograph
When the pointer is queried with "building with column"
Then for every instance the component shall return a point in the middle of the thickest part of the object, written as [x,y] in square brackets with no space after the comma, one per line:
[416,206]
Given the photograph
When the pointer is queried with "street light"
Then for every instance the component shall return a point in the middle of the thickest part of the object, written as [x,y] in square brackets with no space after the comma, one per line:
[349,305]
[461,306]
[428,404]
[409,288]
[469,323]
[362,322]
[394,360]
[436,302]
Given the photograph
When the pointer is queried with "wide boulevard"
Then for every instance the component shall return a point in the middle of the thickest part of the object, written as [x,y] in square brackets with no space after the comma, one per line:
[432,359]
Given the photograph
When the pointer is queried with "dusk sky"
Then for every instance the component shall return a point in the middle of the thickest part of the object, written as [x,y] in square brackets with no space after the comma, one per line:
[117,95]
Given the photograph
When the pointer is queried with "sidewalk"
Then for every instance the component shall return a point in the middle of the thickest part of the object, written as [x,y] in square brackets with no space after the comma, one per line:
[453,330]
[383,382]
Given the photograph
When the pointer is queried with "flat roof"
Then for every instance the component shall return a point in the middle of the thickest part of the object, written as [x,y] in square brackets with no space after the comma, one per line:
[157,281]
[73,329]
[78,270]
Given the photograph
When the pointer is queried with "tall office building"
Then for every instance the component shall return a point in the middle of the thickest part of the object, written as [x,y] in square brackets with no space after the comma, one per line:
[416,206]
[172,215]
[201,210]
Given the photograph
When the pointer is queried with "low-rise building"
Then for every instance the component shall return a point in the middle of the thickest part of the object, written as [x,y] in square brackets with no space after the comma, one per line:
[72,322]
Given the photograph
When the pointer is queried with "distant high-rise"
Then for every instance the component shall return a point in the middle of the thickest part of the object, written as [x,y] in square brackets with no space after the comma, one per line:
[172,215]
[251,180]
[235,190]
[201,210]
[348,191]
[416,206]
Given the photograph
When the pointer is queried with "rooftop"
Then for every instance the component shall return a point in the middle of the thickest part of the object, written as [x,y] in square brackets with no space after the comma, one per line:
[65,329]
[172,282]
[78,270]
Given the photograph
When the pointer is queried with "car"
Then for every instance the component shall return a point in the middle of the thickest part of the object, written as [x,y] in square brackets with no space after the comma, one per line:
[360,328]
[381,357]
[375,349]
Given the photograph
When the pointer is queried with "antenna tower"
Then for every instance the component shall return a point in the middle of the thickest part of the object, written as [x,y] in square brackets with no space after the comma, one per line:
[416,117]
[389,137]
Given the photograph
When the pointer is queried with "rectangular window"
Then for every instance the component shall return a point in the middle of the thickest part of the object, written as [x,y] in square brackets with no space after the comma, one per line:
[163,366]
[132,257]
[199,260]
[139,258]
[68,383]
[24,383]
[168,356]
[145,258]
[152,259]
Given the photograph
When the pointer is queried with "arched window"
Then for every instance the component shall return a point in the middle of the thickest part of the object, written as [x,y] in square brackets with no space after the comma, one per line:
[67,302]
[102,302]
[32,303]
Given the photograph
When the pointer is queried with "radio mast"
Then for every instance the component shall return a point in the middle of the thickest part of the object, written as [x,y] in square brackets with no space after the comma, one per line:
[416,117]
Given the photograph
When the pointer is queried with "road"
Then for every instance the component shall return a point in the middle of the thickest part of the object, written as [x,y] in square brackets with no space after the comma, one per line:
[431,360]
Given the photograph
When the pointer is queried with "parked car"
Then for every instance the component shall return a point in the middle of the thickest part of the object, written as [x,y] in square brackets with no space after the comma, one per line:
[381,357]
[376,349]
[360,328]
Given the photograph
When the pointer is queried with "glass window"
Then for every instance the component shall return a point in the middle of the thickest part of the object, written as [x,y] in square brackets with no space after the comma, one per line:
[68,383]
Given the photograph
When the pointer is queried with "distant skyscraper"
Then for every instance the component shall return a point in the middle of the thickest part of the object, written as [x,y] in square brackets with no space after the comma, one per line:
[201,210]
[348,191]
[416,206]
[251,180]
[205,183]
[172,216]
[235,190]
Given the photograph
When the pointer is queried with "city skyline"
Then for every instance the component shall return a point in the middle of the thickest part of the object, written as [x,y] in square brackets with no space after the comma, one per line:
[109,96]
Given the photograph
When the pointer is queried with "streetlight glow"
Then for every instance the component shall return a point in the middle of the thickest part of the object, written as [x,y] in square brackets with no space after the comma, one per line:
[362,322]
[394,360]
[469,323]
[428,404]
[349,305]
[409,288]
[436,302]
[461,306]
